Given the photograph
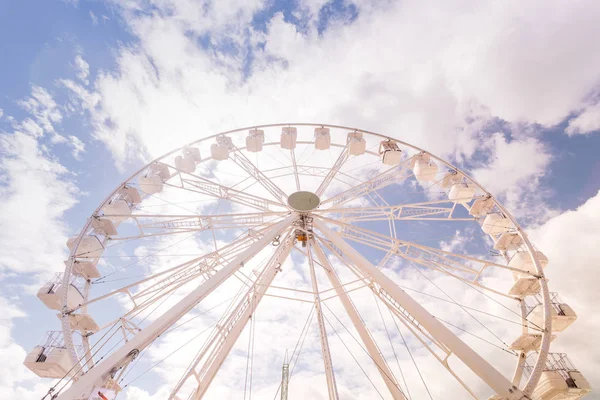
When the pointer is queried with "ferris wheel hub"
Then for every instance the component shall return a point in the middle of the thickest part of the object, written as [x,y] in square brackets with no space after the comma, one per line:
[304,201]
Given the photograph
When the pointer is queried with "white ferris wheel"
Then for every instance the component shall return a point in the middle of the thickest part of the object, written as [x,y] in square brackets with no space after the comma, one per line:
[378,269]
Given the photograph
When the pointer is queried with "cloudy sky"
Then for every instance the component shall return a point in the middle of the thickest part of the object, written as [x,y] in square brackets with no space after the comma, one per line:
[91,90]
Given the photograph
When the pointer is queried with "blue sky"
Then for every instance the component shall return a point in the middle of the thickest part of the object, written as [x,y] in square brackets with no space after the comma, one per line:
[509,94]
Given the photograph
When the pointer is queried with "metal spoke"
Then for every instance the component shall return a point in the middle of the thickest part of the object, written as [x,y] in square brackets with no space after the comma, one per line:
[332,172]
[391,176]
[243,162]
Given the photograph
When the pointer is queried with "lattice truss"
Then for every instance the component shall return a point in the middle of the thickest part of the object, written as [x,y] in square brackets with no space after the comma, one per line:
[385,272]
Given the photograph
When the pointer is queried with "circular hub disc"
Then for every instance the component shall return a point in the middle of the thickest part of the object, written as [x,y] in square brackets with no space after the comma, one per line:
[303,201]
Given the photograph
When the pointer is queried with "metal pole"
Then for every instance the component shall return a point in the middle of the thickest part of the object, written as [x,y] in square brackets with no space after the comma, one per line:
[360,327]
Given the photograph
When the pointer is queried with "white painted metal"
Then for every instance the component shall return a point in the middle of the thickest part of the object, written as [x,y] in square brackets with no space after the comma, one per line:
[226,334]
[80,388]
[329,373]
[365,336]
[468,356]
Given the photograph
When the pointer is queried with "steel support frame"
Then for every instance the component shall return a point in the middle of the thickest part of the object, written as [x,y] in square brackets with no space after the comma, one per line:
[97,375]
[329,373]
[359,325]
[227,333]
[494,379]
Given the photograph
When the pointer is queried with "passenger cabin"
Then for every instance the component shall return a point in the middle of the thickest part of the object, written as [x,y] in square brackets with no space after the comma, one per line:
[289,135]
[51,294]
[192,152]
[255,140]
[508,241]
[390,152]
[560,380]
[86,269]
[152,181]
[84,323]
[357,145]
[528,342]
[89,246]
[450,179]
[482,207]
[50,358]
[424,168]
[322,138]
[496,224]
[462,193]
[525,283]
[220,150]
[185,163]
[562,314]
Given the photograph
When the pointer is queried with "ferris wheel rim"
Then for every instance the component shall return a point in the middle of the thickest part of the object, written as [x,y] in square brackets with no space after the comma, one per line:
[544,291]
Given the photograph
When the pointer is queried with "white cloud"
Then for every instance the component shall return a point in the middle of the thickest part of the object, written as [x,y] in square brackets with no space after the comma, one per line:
[78,147]
[586,122]
[512,173]
[94,18]
[82,68]
[42,107]
[1,112]
[36,192]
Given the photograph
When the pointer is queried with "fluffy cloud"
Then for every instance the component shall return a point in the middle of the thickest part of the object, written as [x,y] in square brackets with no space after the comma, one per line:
[586,122]
[16,382]
[36,191]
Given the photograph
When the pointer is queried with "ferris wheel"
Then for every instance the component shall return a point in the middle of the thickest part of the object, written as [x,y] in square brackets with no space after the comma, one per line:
[382,270]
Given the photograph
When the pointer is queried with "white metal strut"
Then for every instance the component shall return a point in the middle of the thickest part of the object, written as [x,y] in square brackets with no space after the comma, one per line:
[359,325]
[468,356]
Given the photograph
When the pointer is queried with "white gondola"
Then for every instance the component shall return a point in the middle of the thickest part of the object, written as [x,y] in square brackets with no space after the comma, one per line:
[522,260]
[289,135]
[390,152]
[482,207]
[525,286]
[357,145]
[185,163]
[560,380]
[152,182]
[220,150]
[528,342]
[496,224]
[129,194]
[192,152]
[117,211]
[255,140]
[562,314]
[103,226]
[51,294]
[50,359]
[89,247]
[508,241]
[425,169]
[86,269]
[462,193]
[451,178]
[322,138]
[84,323]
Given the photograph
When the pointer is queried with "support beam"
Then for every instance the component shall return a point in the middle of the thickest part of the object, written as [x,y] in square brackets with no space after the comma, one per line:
[331,384]
[359,325]
[494,379]
[210,358]
[332,172]
[97,375]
